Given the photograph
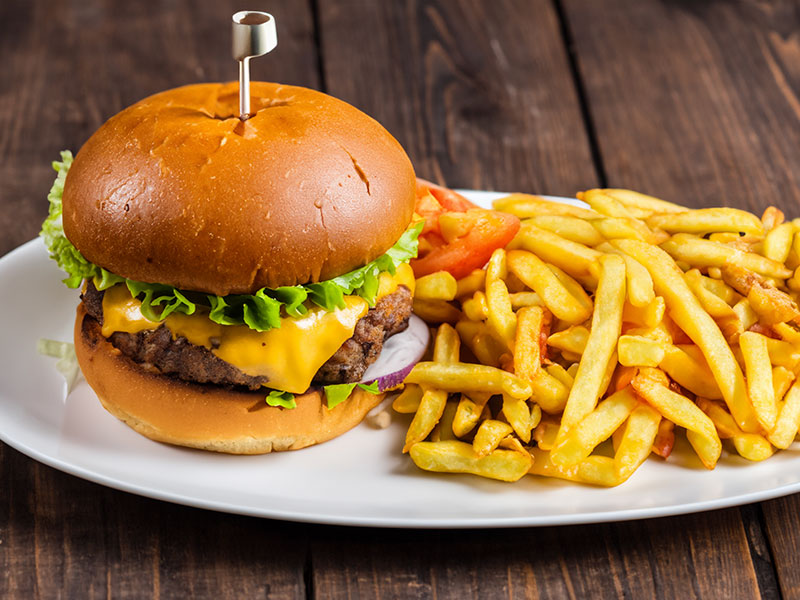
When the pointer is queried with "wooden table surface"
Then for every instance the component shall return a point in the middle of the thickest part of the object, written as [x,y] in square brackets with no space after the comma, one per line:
[696,102]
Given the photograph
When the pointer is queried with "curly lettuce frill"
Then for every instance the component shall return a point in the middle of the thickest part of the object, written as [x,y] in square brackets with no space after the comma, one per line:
[260,311]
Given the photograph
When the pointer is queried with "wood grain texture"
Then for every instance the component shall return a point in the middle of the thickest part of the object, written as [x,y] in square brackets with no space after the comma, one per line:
[694,101]
[648,559]
[63,537]
[66,68]
[479,93]
[83,62]
[782,518]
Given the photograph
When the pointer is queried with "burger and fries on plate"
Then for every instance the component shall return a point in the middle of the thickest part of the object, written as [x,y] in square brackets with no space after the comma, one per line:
[240,278]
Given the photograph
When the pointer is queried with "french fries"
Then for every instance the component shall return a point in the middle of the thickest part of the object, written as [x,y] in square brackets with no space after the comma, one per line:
[534,273]
[601,344]
[459,457]
[436,286]
[620,326]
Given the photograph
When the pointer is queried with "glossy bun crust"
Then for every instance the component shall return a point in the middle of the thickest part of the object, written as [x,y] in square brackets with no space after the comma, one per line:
[202,416]
[176,189]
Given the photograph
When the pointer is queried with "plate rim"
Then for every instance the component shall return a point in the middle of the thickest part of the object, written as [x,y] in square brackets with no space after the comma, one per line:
[318,517]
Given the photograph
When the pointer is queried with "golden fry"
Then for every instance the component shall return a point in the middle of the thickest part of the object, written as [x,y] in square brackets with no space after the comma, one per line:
[542,465]
[639,283]
[560,373]
[501,317]
[548,392]
[527,354]
[428,414]
[647,316]
[475,308]
[488,436]
[574,229]
[708,220]
[637,441]
[614,228]
[644,202]
[407,402]
[459,457]
[759,378]
[526,205]
[637,351]
[436,286]
[555,250]
[521,299]
[536,275]
[518,416]
[771,218]
[782,379]
[572,339]
[610,206]
[751,446]
[680,410]
[595,428]
[687,365]
[467,414]
[689,315]
[463,377]
[444,428]
[788,420]
[705,253]
[601,345]
[447,346]
[778,242]
[471,283]
[436,311]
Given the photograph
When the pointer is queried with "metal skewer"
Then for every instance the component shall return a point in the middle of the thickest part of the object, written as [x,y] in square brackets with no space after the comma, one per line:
[254,34]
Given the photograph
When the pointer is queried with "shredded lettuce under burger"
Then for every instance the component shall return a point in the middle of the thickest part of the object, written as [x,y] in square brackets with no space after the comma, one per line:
[260,311]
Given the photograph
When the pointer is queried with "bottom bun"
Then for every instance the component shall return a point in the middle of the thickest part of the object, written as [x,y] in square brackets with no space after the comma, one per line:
[205,416]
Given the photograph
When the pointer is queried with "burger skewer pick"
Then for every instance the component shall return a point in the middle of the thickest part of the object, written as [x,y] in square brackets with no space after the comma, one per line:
[254,34]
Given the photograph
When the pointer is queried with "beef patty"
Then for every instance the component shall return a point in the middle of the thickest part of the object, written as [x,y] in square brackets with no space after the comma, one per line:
[156,349]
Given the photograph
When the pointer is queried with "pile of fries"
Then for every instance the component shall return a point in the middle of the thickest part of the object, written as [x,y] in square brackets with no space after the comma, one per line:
[600,333]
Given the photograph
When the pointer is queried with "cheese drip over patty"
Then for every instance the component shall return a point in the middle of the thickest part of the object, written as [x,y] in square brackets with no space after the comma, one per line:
[289,356]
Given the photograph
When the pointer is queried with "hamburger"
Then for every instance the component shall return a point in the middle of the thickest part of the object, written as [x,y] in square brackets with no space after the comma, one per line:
[238,277]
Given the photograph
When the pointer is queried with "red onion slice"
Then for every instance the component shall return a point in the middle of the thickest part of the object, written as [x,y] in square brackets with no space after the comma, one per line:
[399,355]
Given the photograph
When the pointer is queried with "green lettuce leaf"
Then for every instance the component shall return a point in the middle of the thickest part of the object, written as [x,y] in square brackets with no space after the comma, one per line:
[284,399]
[338,393]
[260,311]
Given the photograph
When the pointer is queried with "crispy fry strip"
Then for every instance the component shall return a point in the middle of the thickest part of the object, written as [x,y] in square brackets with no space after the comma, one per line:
[607,322]
[689,315]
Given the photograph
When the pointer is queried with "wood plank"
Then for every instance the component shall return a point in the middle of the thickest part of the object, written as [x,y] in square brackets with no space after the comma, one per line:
[65,537]
[82,63]
[66,68]
[648,559]
[694,101]
[697,102]
[478,93]
[782,519]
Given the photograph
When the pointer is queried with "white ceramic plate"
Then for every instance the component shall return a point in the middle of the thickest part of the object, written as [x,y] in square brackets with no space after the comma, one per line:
[358,479]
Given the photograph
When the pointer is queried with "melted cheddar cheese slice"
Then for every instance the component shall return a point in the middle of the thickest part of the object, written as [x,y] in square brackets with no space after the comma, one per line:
[288,356]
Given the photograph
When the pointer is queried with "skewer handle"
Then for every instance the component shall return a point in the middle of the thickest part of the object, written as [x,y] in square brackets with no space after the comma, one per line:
[254,34]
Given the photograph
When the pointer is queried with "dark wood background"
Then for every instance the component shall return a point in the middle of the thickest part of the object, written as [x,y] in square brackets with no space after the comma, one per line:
[693,101]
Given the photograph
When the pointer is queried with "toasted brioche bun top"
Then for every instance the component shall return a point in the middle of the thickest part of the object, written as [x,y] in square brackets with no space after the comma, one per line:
[176,189]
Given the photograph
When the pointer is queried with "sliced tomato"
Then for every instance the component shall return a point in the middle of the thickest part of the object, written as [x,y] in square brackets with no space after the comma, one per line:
[447,198]
[461,256]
